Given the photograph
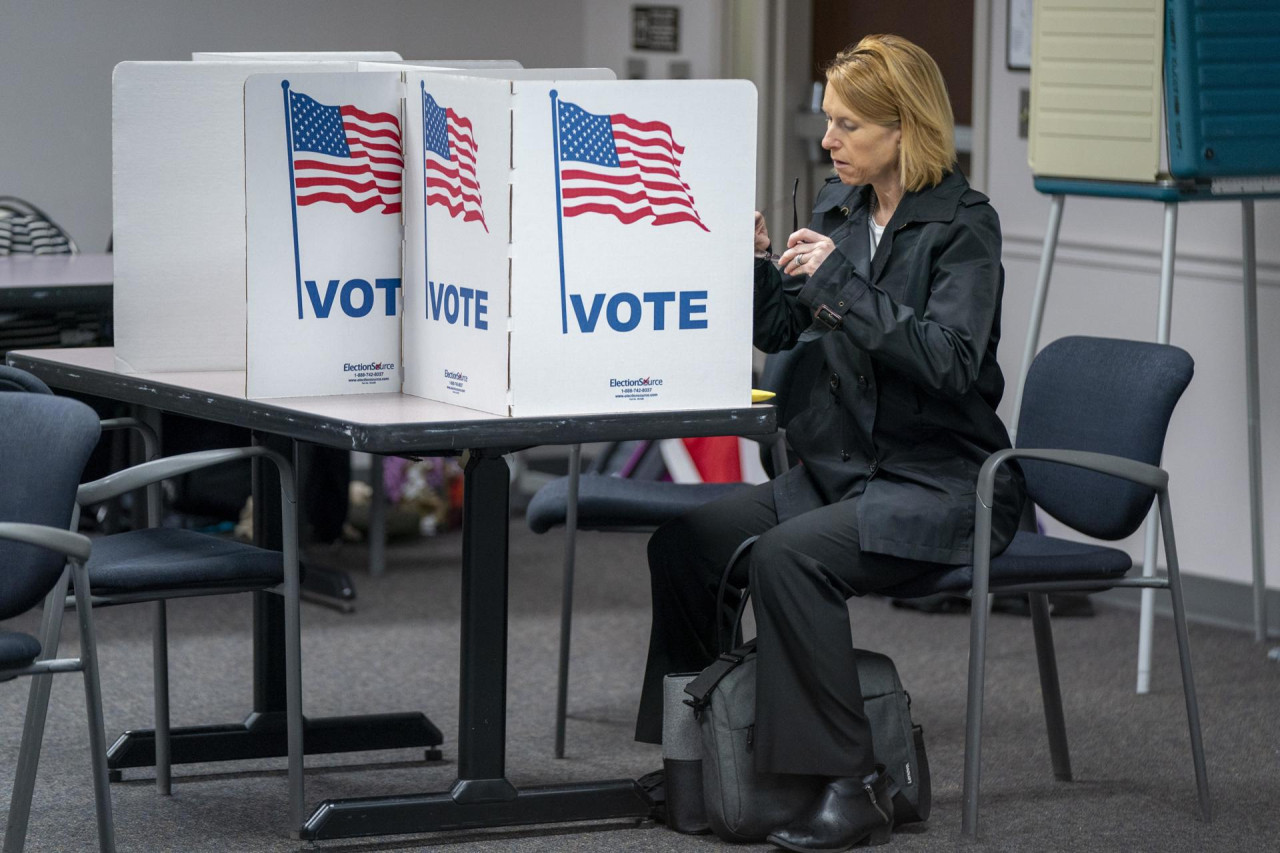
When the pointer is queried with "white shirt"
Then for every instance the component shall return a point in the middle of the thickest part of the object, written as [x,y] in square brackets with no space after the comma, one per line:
[877,231]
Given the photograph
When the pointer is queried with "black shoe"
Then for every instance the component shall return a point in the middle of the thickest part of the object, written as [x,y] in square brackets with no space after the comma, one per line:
[851,811]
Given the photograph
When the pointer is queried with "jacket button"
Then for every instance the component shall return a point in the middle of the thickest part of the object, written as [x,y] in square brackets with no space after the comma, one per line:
[834,381]
[872,467]
[862,380]
[844,456]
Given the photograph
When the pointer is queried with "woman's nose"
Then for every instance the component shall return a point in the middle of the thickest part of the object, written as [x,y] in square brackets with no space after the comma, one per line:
[828,141]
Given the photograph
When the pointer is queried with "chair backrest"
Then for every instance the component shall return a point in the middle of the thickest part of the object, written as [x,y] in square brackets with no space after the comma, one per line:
[43,449]
[1102,395]
[27,230]
[13,379]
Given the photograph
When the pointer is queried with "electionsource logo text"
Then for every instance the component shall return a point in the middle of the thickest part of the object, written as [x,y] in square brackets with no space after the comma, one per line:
[629,383]
[455,374]
[381,365]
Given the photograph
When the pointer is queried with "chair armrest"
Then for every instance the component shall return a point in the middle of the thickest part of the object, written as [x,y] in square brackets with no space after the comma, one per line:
[1103,463]
[74,545]
[150,441]
[174,466]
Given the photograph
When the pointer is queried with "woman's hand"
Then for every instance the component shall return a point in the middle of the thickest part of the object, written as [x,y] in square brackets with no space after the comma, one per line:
[806,250]
[762,234]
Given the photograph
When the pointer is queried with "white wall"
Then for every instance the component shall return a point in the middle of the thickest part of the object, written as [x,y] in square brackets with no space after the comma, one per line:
[56,58]
[1105,282]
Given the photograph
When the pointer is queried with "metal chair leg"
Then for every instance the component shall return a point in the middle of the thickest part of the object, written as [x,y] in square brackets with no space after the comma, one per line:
[15,834]
[1055,721]
[566,596]
[93,701]
[1184,658]
[160,666]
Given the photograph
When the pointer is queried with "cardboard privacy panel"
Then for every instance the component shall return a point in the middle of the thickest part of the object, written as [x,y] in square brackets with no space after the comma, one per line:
[296,56]
[177,161]
[582,244]
[178,207]
[323,171]
[1096,89]
[462,128]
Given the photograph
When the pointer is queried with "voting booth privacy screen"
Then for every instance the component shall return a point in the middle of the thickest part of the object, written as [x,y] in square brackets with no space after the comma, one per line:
[178,204]
[1148,90]
[579,245]
[517,241]
[323,170]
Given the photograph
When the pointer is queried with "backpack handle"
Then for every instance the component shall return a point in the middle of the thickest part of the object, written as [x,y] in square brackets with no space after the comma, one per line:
[721,646]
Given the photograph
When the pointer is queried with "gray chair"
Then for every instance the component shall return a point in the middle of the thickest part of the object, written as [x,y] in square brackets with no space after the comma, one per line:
[156,564]
[46,444]
[598,501]
[27,230]
[1094,416]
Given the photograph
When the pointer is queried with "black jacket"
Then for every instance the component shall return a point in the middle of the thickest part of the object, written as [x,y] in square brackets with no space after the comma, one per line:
[902,415]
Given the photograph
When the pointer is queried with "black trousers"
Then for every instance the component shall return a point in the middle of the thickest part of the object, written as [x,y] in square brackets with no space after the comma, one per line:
[809,716]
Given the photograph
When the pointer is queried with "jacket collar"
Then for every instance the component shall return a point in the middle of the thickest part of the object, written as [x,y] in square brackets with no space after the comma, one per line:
[931,204]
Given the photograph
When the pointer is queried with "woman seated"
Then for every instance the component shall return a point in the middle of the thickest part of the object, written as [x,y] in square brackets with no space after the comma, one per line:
[898,279]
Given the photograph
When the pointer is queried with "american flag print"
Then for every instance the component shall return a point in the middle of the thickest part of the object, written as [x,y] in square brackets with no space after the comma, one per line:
[619,166]
[449,162]
[344,155]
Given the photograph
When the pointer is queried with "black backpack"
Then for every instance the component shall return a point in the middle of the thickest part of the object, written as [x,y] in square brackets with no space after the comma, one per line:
[745,805]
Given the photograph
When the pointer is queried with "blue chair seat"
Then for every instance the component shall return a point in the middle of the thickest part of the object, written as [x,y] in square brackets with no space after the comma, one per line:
[164,558]
[1030,558]
[605,502]
[17,650]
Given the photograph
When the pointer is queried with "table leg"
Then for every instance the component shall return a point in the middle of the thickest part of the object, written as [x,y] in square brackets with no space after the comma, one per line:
[377,518]
[482,796]
[262,733]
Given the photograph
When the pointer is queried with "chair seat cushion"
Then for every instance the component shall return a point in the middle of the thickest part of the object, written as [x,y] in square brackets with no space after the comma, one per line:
[166,558]
[606,502]
[17,649]
[1030,558]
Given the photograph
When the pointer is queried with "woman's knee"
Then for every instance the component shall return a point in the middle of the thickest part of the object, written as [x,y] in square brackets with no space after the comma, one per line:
[667,543]
[774,557]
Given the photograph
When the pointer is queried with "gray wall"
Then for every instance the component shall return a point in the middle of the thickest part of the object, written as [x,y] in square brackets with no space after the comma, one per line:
[57,56]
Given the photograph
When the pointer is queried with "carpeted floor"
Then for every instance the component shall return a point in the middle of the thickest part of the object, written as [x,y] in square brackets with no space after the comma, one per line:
[1134,788]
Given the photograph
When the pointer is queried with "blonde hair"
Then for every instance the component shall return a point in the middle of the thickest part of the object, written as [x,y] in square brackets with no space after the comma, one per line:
[890,81]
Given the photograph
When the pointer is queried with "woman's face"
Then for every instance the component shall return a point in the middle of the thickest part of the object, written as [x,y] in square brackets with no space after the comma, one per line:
[861,151]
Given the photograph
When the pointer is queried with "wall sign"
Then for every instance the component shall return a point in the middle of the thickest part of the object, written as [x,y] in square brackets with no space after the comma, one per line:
[655,28]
